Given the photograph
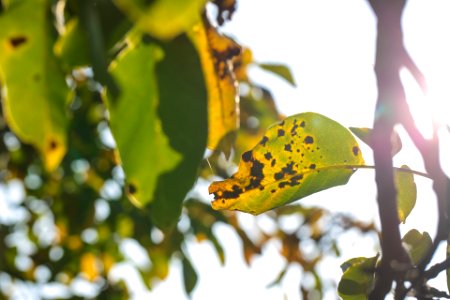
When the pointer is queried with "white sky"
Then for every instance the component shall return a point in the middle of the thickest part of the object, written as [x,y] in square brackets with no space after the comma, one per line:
[330,46]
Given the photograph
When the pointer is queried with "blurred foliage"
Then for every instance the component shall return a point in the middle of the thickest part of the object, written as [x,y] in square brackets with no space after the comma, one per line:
[68,222]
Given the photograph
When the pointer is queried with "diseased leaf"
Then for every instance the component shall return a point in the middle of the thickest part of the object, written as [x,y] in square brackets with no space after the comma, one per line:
[163,19]
[364,134]
[417,244]
[143,147]
[358,278]
[35,93]
[280,70]
[183,112]
[406,193]
[216,53]
[189,275]
[302,155]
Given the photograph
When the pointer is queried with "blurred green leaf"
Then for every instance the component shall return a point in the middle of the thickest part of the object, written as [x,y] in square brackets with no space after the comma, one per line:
[72,47]
[358,278]
[145,154]
[27,61]
[417,244]
[364,134]
[189,275]
[406,192]
[280,70]
[163,19]
[183,112]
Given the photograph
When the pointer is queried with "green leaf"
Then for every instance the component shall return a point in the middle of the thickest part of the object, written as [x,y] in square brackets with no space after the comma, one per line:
[35,93]
[189,275]
[358,278]
[417,244]
[364,134]
[71,46]
[143,147]
[406,192]
[163,19]
[280,70]
[300,156]
[183,111]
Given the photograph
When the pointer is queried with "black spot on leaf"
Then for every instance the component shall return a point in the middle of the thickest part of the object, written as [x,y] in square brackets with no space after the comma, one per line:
[274,161]
[17,41]
[273,191]
[302,124]
[355,150]
[256,169]
[236,191]
[268,156]
[264,140]
[283,184]
[280,132]
[288,148]
[131,189]
[312,166]
[278,175]
[308,140]
[247,156]
[52,145]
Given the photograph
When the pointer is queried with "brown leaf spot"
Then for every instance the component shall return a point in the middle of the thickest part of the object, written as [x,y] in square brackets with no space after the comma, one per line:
[52,145]
[312,166]
[17,41]
[355,151]
[131,189]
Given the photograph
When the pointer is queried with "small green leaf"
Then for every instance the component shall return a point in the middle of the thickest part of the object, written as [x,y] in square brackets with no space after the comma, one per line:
[35,92]
[358,278]
[163,19]
[71,46]
[417,244]
[189,275]
[364,134]
[143,147]
[300,156]
[183,112]
[406,193]
[280,70]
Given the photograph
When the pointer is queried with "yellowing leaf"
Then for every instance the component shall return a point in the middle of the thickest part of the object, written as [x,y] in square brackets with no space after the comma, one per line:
[406,193]
[163,19]
[35,93]
[216,54]
[302,155]
[280,70]
[143,147]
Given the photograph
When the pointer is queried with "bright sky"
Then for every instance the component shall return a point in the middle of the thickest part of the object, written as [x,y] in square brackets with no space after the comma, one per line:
[330,47]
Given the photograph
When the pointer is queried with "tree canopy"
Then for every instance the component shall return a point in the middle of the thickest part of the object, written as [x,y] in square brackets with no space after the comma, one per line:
[113,110]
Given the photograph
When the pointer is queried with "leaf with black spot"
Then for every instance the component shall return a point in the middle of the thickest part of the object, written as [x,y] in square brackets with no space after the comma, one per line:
[321,155]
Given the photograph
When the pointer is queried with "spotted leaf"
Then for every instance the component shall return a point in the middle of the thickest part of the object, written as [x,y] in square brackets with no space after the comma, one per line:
[302,155]
[35,93]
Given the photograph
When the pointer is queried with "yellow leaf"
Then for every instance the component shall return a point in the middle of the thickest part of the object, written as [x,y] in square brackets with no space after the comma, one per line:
[217,53]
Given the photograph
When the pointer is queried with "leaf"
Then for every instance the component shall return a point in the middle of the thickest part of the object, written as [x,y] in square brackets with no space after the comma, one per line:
[35,93]
[143,147]
[280,70]
[406,193]
[364,134]
[163,19]
[358,278]
[216,52]
[300,156]
[71,46]
[183,112]
[417,244]
[189,275]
